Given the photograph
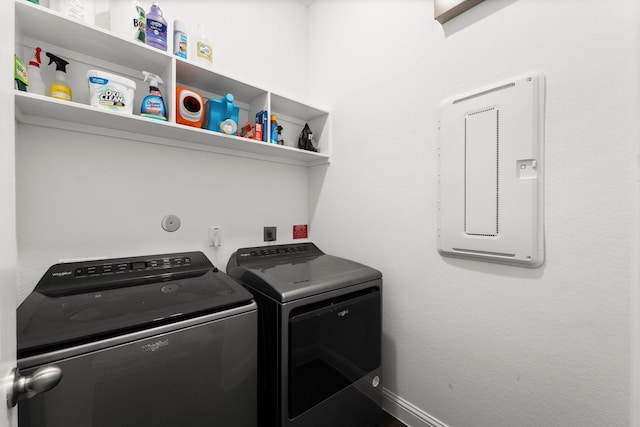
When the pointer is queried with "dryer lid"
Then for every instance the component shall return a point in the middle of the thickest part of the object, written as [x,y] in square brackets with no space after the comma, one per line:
[290,272]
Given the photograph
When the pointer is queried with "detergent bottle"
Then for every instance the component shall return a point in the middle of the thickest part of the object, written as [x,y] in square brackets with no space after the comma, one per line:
[222,115]
[59,88]
[36,85]
[153,104]
[156,27]
[203,51]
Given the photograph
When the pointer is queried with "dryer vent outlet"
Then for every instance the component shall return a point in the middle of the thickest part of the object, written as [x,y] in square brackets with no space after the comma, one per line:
[270,234]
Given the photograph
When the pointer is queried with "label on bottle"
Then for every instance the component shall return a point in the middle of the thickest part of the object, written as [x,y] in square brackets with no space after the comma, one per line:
[154,106]
[156,33]
[204,51]
[61,92]
[139,24]
[180,44]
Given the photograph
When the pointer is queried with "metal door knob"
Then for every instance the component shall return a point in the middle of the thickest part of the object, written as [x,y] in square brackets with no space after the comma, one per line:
[43,379]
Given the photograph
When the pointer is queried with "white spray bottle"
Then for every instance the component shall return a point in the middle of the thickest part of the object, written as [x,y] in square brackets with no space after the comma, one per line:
[36,85]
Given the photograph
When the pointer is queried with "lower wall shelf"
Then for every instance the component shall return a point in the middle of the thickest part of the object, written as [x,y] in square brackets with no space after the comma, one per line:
[44,111]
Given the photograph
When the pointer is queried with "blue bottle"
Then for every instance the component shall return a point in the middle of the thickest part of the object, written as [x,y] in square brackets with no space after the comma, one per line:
[156,32]
[274,129]
[153,104]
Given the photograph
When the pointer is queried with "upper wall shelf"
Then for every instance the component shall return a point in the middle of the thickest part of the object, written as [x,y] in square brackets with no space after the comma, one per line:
[36,22]
[92,47]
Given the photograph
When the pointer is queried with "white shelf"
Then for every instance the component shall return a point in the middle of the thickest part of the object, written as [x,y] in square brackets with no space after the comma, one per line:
[96,45]
[39,23]
[45,111]
[196,76]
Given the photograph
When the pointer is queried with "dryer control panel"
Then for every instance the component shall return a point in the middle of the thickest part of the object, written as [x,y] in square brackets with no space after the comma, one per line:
[263,253]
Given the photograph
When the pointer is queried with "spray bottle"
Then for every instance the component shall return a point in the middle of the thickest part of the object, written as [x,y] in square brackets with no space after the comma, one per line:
[59,88]
[36,85]
[153,104]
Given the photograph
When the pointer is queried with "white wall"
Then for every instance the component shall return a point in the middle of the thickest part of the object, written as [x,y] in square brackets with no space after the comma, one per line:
[635,254]
[470,343]
[82,195]
[261,42]
[8,248]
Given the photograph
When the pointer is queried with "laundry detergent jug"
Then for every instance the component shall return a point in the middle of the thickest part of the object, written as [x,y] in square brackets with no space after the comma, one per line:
[219,111]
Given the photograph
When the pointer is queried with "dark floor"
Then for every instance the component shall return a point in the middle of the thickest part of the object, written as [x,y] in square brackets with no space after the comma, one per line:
[389,421]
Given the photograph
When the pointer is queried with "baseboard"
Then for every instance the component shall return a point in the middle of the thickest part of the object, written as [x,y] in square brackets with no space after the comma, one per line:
[406,412]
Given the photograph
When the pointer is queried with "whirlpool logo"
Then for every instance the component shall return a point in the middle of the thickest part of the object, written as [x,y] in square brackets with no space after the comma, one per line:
[61,273]
[154,346]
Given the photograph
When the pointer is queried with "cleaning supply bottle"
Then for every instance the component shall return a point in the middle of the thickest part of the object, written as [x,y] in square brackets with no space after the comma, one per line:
[153,104]
[59,88]
[203,49]
[156,28]
[180,39]
[141,23]
[274,129]
[76,9]
[127,18]
[20,74]
[36,85]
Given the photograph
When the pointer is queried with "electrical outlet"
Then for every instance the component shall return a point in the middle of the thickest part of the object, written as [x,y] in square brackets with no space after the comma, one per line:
[214,236]
[270,234]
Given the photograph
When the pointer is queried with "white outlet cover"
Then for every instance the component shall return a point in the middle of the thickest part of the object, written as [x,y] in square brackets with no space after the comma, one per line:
[490,173]
[215,236]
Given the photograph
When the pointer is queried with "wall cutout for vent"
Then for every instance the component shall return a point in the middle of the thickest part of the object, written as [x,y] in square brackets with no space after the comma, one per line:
[490,201]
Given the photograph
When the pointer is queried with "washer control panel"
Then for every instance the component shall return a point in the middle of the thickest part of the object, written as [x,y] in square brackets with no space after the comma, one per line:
[77,277]
[106,268]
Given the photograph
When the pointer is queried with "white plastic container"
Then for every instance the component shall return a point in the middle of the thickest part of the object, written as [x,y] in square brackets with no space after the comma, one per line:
[180,39]
[202,49]
[110,91]
[82,10]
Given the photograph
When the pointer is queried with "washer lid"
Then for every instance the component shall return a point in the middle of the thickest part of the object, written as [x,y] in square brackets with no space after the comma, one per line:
[290,272]
[68,309]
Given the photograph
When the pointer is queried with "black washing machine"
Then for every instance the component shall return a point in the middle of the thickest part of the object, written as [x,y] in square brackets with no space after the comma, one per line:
[162,340]
[320,321]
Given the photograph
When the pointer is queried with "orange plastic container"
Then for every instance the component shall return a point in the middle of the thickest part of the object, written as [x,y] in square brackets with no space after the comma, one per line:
[189,107]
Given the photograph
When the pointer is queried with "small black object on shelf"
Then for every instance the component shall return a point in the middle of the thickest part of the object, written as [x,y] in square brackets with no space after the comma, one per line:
[305,141]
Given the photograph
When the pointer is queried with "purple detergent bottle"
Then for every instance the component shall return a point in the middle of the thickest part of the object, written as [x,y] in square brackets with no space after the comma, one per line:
[156,31]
